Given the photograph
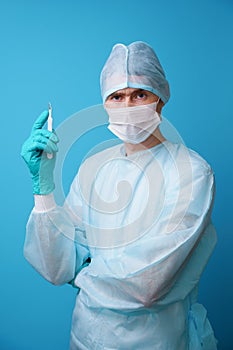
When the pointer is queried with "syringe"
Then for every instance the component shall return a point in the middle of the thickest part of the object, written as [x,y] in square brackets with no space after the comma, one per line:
[50,127]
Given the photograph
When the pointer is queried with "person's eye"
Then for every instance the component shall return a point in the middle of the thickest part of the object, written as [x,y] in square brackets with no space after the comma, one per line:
[116,98]
[141,96]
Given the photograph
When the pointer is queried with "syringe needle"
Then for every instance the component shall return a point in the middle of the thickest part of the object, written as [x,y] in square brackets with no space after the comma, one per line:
[50,126]
[50,119]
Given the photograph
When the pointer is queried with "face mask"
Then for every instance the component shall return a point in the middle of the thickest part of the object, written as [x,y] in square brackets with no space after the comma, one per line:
[134,124]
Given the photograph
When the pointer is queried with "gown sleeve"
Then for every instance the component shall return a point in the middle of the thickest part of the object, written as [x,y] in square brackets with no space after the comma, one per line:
[55,243]
[146,270]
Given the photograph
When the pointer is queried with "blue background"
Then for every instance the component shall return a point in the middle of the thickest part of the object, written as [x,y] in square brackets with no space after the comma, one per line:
[53,50]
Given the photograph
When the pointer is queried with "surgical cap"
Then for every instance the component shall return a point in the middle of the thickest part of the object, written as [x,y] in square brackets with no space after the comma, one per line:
[134,66]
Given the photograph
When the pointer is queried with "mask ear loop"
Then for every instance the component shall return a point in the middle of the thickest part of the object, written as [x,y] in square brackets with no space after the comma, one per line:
[157,102]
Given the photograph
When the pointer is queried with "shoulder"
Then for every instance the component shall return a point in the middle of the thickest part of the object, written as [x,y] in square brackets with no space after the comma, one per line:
[189,175]
[184,156]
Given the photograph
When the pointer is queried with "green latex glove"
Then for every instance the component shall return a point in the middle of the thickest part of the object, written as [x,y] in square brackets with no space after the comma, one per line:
[34,152]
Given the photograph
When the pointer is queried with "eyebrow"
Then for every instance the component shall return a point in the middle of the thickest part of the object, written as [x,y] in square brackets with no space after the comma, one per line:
[123,93]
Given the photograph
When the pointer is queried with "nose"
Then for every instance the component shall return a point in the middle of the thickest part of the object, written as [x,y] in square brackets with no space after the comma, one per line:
[128,102]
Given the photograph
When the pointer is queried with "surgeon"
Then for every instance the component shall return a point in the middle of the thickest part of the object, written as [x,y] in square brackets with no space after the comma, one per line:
[135,232]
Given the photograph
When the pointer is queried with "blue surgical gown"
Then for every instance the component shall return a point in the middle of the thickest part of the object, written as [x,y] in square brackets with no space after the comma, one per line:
[134,237]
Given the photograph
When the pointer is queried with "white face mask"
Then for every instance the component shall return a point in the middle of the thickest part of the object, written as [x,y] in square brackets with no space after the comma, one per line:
[134,124]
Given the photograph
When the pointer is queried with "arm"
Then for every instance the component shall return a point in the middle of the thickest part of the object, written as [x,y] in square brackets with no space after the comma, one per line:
[51,244]
[145,271]
[55,243]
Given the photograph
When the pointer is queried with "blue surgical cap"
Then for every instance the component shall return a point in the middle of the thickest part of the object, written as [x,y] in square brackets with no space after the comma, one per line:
[134,66]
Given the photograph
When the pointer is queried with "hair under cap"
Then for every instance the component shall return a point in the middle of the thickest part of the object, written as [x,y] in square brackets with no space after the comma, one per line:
[134,66]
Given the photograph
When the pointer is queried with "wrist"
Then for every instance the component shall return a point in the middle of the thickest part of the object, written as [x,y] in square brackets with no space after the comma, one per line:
[44,203]
[42,185]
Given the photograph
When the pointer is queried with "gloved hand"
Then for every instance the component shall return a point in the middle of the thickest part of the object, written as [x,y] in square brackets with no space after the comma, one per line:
[34,152]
